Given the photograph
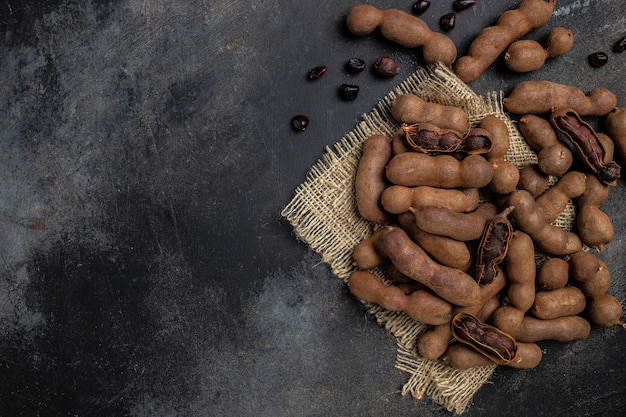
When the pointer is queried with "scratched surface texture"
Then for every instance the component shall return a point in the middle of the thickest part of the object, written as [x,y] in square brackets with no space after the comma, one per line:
[145,155]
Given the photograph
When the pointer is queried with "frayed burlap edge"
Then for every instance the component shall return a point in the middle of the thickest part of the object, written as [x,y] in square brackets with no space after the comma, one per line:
[324,215]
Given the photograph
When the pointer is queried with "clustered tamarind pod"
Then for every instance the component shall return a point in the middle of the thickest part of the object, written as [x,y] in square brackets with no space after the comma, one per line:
[410,109]
[459,226]
[615,126]
[493,40]
[403,28]
[493,246]
[554,200]
[528,55]
[553,156]
[484,338]
[506,174]
[370,179]
[534,181]
[427,137]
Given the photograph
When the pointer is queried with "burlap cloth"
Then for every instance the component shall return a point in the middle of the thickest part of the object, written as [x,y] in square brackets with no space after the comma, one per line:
[324,215]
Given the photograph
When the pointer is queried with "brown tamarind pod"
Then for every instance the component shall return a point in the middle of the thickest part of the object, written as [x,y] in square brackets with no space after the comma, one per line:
[492,342]
[506,174]
[370,181]
[553,156]
[460,356]
[493,247]
[553,201]
[586,142]
[367,254]
[605,310]
[531,329]
[553,274]
[460,226]
[517,264]
[589,273]
[534,181]
[427,137]
[566,301]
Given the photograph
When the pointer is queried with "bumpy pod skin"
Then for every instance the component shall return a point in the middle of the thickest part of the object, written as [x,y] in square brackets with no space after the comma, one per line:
[398,199]
[594,226]
[542,97]
[410,108]
[586,142]
[405,29]
[493,40]
[552,202]
[506,174]
[566,301]
[528,55]
[615,126]
[370,181]
[492,342]
[553,156]
[458,226]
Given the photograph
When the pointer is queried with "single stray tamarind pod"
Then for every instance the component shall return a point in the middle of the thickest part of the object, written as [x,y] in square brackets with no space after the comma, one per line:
[555,199]
[370,181]
[528,55]
[615,126]
[521,272]
[366,254]
[421,305]
[452,285]
[410,108]
[427,137]
[533,180]
[553,157]
[493,40]
[460,226]
[589,273]
[605,310]
[586,142]
[486,339]
[403,28]
[399,199]
[413,169]
[542,97]
[553,274]
[506,174]
[493,246]
[566,301]
[445,250]
[593,225]
[551,239]
[461,356]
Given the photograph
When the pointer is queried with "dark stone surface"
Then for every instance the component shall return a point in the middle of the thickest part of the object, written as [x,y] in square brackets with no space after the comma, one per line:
[145,155]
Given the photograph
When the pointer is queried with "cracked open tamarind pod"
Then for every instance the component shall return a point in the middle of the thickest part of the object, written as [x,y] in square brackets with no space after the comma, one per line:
[492,342]
[493,246]
[427,137]
[586,142]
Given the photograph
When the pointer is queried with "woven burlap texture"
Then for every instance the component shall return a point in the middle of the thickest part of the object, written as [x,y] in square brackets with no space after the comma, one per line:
[323,214]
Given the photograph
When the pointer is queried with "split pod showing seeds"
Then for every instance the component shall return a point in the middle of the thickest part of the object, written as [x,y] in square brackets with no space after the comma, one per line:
[427,137]
[492,342]
[493,246]
[586,142]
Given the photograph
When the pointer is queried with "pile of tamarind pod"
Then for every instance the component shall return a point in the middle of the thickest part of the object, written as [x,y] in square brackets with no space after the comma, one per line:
[458,227]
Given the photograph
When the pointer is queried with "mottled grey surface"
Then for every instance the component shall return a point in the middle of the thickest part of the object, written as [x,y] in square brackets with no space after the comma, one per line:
[145,155]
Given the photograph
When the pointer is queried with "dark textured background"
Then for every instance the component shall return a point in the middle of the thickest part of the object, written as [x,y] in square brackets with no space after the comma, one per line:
[145,155]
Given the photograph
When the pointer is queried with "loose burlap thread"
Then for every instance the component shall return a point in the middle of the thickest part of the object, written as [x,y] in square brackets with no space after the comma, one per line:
[323,214]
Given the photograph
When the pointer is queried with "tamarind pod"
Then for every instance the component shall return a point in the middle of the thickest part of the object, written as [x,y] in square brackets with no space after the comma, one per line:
[593,225]
[398,199]
[552,202]
[542,97]
[553,156]
[605,310]
[370,181]
[398,142]
[492,342]
[445,250]
[452,285]
[460,356]
[403,28]
[589,273]
[553,274]
[586,142]
[493,247]
[493,40]
[528,55]
[427,137]
[410,108]
[534,181]
[367,254]
[413,169]
[549,238]
[531,329]
[566,301]
[519,265]
[421,305]
[459,226]
[506,174]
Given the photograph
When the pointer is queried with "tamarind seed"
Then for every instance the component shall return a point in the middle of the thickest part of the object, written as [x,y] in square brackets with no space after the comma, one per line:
[598,59]
[355,65]
[300,122]
[385,66]
[317,72]
[448,21]
[349,91]
[463,4]
[620,45]
[420,7]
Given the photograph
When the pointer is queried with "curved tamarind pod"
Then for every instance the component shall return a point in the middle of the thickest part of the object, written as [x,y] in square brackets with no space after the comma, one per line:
[492,342]
[506,175]
[493,246]
[553,156]
[370,181]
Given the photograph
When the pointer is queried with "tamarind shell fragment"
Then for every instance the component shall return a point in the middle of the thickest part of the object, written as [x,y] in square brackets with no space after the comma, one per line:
[586,142]
[493,246]
[427,137]
[492,342]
